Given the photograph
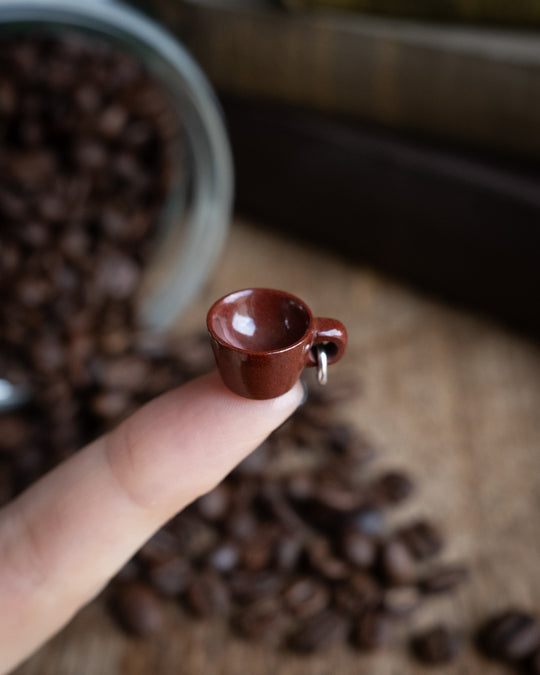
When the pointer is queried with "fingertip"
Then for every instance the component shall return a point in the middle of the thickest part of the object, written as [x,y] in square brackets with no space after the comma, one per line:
[294,398]
[285,404]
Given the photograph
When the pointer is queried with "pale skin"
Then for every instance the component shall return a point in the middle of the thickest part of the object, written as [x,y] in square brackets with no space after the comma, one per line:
[66,536]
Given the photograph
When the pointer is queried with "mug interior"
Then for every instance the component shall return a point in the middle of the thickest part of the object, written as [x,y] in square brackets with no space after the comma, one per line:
[259,320]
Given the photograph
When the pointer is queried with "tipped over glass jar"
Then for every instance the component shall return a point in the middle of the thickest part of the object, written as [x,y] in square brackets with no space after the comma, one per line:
[117,182]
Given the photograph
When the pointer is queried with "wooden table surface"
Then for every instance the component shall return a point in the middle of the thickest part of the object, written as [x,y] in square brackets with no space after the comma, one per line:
[451,397]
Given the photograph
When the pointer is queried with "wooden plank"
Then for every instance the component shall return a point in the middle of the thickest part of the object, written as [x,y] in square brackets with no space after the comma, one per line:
[475,86]
[452,398]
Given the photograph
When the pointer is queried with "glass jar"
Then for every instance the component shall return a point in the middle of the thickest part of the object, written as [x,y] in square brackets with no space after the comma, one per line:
[194,219]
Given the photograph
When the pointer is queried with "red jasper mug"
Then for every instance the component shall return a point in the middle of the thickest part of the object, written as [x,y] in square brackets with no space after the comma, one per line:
[263,338]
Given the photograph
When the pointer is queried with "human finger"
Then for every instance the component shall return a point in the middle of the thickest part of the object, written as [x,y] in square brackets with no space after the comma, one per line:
[61,540]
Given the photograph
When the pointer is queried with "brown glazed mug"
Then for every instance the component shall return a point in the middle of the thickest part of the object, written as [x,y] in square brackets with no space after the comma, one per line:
[262,340]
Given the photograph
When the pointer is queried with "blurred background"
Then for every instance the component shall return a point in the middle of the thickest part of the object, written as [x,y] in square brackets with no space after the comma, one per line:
[378,159]
[405,135]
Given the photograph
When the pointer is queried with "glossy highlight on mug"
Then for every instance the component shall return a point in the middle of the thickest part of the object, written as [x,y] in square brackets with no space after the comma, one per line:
[263,338]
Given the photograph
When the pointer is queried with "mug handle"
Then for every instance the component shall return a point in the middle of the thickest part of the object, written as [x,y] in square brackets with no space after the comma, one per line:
[331,332]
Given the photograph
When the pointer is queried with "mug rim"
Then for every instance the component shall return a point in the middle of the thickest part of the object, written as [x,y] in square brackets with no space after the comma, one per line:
[260,352]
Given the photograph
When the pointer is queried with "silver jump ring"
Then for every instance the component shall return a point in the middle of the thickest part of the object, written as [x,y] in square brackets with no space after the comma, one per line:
[322,365]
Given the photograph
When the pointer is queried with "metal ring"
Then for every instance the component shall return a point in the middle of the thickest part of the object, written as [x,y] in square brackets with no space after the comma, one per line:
[322,365]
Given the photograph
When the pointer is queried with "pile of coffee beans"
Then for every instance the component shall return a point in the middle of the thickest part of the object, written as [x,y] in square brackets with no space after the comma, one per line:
[85,139]
[436,645]
[292,547]
[512,637]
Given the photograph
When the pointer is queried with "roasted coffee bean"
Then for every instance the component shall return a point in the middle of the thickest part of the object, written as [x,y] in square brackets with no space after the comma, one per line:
[512,635]
[357,593]
[207,595]
[128,373]
[79,348]
[87,97]
[444,578]
[330,508]
[401,601]
[372,630]
[112,121]
[111,405]
[224,558]
[338,494]
[32,292]
[116,275]
[36,234]
[318,516]
[52,209]
[358,548]
[32,168]
[8,97]
[90,154]
[241,525]
[186,527]
[322,559]
[306,596]
[288,551]
[249,586]
[299,487]
[422,538]
[257,552]
[115,342]
[436,645]
[214,504]
[170,577]
[319,633]
[393,487]
[137,609]
[263,620]
[397,563]
[339,436]
[10,259]
[278,506]
[200,541]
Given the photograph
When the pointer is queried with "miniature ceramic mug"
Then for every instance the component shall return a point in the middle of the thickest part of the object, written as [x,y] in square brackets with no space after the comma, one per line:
[263,339]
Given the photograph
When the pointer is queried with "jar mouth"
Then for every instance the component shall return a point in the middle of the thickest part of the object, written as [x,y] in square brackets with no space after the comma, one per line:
[194,221]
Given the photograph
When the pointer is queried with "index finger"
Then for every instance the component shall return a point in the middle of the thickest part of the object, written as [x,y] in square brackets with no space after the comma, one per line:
[62,539]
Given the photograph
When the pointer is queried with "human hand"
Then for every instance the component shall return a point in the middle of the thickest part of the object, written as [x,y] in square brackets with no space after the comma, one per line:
[67,535]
